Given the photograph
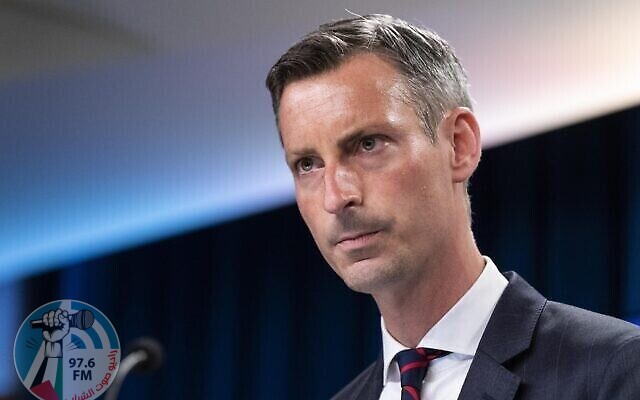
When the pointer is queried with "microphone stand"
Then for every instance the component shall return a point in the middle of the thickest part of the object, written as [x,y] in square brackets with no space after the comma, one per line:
[146,356]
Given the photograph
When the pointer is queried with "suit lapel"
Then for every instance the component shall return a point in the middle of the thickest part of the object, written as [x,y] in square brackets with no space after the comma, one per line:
[488,380]
[508,333]
[372,385]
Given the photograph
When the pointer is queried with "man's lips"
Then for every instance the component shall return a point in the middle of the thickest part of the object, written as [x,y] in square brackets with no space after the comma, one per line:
[351,240]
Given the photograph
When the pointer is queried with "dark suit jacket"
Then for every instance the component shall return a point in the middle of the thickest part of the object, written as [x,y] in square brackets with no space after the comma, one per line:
[534,349]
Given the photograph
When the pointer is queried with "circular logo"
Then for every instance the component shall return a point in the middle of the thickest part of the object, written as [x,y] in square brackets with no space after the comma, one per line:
[66,350]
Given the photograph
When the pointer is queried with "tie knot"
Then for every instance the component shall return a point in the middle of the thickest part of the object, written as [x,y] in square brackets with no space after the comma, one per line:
[413,364]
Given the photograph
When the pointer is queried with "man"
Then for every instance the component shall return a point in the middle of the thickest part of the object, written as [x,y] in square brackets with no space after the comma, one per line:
[379,133]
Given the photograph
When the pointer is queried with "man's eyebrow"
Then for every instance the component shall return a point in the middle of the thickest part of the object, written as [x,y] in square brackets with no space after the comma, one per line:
[343,143]
[300,152]
[347,140]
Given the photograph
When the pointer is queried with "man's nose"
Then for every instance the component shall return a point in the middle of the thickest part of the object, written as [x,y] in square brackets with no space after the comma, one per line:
[341,189]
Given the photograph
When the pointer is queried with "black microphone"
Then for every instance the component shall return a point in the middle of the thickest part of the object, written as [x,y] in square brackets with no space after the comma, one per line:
[153,351]
[145,355]
[83,319]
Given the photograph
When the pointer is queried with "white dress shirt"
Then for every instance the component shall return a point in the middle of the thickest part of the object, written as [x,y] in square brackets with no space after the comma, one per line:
[458,331]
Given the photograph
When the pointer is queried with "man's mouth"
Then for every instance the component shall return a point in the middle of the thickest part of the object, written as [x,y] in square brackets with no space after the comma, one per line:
[355,240]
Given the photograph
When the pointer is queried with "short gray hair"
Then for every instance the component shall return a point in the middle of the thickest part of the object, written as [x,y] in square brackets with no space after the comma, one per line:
[435,78]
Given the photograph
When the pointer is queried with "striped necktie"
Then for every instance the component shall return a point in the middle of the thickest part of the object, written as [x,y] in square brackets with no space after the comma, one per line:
[413,364]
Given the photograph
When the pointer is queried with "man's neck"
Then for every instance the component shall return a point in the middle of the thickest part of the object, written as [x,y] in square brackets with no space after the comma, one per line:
[411,309]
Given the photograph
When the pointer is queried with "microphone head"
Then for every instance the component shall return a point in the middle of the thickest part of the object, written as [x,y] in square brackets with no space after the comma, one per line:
[83,319]
[152,349]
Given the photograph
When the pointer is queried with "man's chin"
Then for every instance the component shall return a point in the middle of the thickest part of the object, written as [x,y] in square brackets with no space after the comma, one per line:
[367,276]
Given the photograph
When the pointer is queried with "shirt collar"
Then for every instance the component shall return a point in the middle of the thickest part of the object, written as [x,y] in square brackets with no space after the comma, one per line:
[467,318]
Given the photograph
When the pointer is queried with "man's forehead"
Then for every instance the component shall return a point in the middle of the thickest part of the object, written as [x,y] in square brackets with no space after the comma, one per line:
[360,74]
[329,121]
[314,93]
[363,91]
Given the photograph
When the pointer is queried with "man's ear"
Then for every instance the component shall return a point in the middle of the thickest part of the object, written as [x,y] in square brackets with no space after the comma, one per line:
[460,129]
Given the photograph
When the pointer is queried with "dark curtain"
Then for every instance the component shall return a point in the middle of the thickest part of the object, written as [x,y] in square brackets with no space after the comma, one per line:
[250,310]
[563,209]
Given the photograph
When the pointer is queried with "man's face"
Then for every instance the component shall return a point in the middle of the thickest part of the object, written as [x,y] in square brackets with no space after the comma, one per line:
[374,191]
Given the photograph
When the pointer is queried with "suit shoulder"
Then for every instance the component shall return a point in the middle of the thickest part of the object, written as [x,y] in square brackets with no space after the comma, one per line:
[579,354]
[585,327]
[358,383]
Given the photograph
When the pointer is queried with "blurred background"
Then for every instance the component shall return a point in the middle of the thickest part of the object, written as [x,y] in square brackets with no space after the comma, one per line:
[140,172]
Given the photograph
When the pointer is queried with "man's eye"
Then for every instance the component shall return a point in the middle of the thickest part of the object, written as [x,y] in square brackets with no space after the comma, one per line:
[368,144]
[305,165]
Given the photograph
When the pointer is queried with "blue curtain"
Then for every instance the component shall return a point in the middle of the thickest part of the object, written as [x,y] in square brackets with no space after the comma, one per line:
[563,209]
[250,310]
